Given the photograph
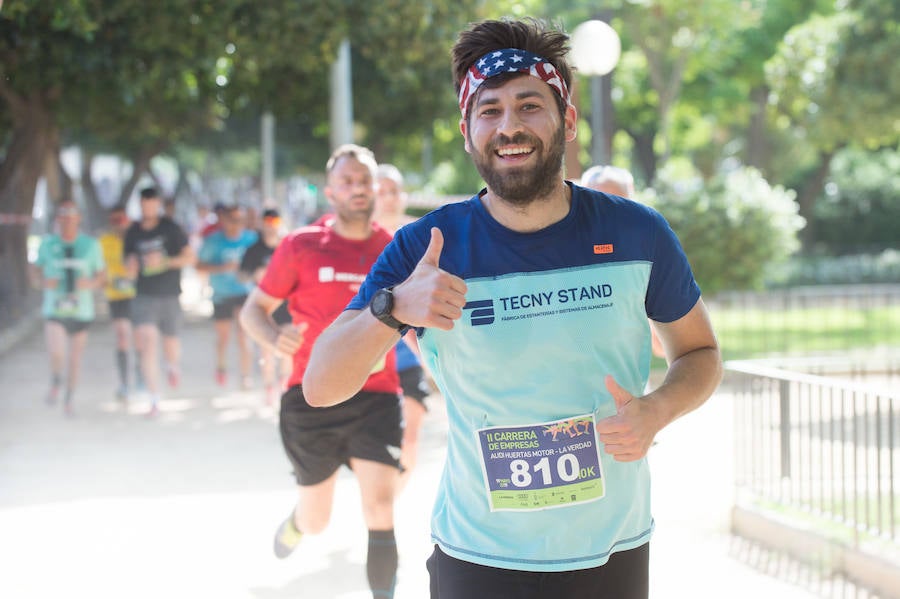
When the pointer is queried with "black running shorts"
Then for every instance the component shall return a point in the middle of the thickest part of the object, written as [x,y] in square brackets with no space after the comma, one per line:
[71,325]
[228,308]
[625,576]
[120,309]
[414,385]
[368,426]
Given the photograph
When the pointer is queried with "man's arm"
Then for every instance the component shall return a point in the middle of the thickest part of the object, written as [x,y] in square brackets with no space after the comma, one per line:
[256,320]
[344,355]
[37,279]
[214,268]
[98,279]
[132,266]
[186,257]
[695,363]
[95,281]
[695,370]
[347,351]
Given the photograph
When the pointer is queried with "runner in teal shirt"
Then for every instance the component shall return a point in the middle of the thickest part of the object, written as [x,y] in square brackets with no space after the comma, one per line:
[69,268]
[220,257]
[67,263]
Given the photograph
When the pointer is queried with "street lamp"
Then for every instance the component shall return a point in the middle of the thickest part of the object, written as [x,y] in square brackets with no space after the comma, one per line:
[595,52]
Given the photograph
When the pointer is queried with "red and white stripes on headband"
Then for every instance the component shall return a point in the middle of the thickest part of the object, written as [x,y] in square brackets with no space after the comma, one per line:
[509,60]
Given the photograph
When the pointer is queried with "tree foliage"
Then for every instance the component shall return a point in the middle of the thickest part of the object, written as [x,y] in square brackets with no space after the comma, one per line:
[863,191]
[836,78]
[780,84]
[733,227]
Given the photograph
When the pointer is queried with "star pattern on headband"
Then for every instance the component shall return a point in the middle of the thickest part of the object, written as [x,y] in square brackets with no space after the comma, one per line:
[495,63]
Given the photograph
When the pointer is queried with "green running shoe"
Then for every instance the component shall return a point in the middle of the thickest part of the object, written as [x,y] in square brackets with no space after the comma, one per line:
[287,538]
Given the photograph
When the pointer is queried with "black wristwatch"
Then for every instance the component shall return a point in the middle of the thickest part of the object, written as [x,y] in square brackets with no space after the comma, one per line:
[381,306]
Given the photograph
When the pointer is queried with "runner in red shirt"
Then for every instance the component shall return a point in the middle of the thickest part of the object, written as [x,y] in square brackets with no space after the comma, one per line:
[318,270]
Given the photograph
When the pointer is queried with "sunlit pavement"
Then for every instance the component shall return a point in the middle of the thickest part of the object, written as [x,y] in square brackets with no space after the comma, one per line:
[109,504]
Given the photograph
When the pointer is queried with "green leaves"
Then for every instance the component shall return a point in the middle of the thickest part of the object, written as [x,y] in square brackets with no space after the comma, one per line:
[734,228]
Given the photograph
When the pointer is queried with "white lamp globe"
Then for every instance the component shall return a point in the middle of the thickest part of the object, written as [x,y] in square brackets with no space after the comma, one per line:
[595,48]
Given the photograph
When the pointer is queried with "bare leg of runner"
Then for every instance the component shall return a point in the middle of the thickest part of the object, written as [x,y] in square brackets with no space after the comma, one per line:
[55,338]
[148,341]
[413,414]
[172,353]
[245,351]
[223,332]
[378,485]
[77,343]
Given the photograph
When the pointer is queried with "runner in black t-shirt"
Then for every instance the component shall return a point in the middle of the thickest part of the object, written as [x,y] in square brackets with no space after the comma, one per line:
[156,249]
[253,267]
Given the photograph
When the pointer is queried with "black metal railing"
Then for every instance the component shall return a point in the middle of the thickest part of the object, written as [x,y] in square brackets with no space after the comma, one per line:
[803,321]
[824,449]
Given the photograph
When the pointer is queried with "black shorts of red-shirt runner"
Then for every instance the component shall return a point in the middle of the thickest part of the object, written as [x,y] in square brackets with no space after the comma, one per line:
[414,385]
[624,576]
[368,426]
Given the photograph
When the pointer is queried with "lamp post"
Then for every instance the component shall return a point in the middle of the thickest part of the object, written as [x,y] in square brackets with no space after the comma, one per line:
[595,52]
[341,97]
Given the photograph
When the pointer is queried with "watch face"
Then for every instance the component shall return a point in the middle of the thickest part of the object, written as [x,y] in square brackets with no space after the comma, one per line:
[381,302]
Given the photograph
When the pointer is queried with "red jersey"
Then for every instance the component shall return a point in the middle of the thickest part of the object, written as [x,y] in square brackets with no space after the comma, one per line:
[209,229]
[318,272]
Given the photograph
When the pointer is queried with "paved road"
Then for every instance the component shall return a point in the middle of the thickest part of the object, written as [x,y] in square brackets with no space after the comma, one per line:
[109,504]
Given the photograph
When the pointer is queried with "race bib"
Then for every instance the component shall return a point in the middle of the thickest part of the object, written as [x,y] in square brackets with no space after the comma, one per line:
[153,263]
[541,466]
[123,284]
[65,306]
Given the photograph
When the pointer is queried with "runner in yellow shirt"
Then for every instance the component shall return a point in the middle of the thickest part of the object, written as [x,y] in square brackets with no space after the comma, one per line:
[119,292]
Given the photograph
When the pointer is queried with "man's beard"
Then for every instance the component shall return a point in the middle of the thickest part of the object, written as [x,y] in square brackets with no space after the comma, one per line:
[523,185]
[351,215]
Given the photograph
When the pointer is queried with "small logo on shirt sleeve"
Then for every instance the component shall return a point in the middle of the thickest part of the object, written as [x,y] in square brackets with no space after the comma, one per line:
[603,248]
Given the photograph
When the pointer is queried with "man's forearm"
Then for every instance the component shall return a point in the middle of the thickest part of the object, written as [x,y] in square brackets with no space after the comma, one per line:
[690,380]
[258,325]
[183,259]
[131,266]
[343,357]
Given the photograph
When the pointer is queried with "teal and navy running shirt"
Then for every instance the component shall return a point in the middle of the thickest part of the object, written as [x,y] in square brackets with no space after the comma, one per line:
[67,262]
[549,314]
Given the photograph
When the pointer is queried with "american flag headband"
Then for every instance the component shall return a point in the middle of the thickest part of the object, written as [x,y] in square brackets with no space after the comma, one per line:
[509,60]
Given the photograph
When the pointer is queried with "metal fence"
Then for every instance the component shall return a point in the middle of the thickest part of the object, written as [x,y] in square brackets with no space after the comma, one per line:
[807,320]
[822,449]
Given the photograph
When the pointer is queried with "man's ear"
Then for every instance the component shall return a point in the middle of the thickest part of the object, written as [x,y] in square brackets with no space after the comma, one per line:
[571,120]
[463,128]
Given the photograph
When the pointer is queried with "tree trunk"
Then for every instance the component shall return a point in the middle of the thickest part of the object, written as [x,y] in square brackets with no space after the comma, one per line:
[182,187]
[59,184]
[644,154]
[811,190]
[140,165]
[95,210]
[33,129]
[758,150]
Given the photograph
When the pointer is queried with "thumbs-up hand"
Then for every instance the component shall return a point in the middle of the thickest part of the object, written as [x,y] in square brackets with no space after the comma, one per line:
[628,435]
[290,338]
[430,297]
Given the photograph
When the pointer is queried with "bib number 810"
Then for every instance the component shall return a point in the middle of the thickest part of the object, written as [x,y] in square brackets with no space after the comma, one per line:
[567,468]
